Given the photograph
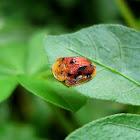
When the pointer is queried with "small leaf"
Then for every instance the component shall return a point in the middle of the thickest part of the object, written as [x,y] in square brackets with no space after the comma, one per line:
[12,62]
[114,49]
[7,86]
[53,92]
[12,58]
[37,60]
[122,126]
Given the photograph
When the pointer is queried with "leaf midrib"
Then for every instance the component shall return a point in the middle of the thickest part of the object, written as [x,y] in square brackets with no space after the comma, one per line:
[105,66]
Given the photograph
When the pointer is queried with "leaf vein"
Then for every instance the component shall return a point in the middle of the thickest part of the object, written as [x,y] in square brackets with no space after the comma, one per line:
[119,48]
[93,44]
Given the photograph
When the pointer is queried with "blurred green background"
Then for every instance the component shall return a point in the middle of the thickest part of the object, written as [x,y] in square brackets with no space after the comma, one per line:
[24,116]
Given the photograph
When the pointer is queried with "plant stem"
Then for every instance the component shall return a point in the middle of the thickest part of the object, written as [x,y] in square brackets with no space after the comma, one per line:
[127,14]
[67,125]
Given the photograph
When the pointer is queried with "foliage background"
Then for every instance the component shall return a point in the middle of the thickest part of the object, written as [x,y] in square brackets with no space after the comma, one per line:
[22,21]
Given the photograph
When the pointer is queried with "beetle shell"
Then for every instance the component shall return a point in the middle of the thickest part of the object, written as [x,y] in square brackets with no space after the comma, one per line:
[73,70]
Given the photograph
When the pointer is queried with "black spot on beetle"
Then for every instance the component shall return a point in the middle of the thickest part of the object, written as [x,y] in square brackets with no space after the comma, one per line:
[69,74]
[82,68]
[59,65]
[63,58]
[90,65]
[72,61]
[62,72]
[75,76]
[78,74]
[89,75]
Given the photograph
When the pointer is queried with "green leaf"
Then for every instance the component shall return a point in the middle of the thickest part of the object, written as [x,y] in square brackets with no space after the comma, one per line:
[19,58]
[7,85]
[12,58]
[37,59]
[53,92]
[12,62]
[122,126]
[114,49]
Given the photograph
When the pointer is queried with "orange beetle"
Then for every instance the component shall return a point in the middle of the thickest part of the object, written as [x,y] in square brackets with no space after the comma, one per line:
[73,70]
